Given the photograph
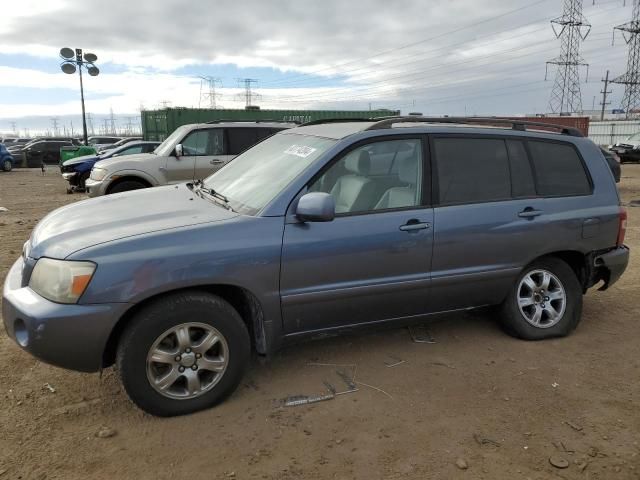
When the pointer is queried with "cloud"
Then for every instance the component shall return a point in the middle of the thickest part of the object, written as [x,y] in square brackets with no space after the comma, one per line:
[440,55]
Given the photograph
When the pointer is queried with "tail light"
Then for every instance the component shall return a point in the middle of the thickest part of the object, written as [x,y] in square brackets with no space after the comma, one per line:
[622,226]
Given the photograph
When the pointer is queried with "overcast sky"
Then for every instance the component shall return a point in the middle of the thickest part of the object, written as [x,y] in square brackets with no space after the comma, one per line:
[436,56]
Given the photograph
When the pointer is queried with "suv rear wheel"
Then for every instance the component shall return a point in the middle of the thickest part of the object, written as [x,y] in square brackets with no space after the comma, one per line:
[545,301]
[7,165]
[183,353]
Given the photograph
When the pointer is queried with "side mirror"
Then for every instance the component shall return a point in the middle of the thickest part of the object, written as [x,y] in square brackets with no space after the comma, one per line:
[316,207]
[178,150]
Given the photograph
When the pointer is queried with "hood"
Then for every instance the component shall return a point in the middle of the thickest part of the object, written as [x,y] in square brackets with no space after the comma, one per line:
[114,162]
[82,159]
[632,143]
[112,217]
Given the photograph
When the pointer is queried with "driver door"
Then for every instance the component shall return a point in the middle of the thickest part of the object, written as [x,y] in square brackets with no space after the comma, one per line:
[198,146]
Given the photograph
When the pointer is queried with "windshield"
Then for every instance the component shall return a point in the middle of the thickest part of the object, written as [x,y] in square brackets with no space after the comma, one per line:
[256,176]
[166,147]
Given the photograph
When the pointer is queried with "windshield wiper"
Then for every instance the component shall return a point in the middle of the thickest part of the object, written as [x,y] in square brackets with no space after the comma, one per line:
[198,186]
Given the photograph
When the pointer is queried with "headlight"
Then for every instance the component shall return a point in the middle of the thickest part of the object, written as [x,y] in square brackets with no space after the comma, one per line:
[98,173]
[61,281]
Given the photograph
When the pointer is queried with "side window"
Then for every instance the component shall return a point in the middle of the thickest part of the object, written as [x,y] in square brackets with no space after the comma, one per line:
[203,142]
[240,139]
[132,150]
[522,184]
[558,169]
[376,176]
[472,170]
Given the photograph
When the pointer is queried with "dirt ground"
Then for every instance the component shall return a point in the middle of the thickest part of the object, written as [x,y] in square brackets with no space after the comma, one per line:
[477,398]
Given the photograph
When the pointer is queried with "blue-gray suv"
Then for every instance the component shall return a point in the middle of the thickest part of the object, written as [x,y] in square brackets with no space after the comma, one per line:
[319,229]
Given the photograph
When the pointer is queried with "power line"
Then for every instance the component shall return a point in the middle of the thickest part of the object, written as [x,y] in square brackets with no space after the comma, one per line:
[413,44]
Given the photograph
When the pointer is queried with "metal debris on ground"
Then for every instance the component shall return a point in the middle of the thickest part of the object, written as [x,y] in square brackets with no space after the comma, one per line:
[480,440]
[420,334]
[295,400]
[558,462]
[396,361]
[4,209]
[577,428]
[49,387]
[348,381]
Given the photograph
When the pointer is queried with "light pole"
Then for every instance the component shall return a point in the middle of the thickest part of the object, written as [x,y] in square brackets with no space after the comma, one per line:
[68,65]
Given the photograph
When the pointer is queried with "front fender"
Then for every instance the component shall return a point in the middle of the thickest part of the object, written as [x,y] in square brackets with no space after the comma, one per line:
[153,181]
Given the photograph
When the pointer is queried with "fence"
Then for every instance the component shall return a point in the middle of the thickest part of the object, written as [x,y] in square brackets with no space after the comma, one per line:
[610,132]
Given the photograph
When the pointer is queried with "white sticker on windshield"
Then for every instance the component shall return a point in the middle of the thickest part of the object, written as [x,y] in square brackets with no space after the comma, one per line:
[300,151]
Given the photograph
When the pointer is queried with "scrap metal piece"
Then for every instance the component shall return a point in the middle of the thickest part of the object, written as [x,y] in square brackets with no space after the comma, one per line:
[397,361]
[330,387]
[420,334]
[295,400]
[348,381]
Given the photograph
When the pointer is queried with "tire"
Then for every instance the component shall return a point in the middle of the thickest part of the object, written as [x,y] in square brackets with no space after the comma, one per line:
[127,185]
[7,165]
[521,322]
[156,327]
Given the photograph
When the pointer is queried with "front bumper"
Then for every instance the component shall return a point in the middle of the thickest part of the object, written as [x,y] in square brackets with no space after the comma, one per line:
[95,188]
[69,336]
[611,265]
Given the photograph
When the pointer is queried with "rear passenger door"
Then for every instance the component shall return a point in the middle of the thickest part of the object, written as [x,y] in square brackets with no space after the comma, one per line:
[491,216]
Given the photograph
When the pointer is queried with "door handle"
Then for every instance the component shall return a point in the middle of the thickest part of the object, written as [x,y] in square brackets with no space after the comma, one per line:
[216,161]
[529,213]
[413,225]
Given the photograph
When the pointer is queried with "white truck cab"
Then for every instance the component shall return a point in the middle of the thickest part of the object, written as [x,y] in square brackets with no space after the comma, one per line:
[191,152]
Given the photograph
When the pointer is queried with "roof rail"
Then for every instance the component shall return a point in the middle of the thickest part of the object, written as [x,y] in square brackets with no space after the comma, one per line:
[340,120]
[515,124]
[264,120]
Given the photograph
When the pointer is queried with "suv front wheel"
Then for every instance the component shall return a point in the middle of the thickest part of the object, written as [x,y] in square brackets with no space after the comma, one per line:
[183,353]
[545,301]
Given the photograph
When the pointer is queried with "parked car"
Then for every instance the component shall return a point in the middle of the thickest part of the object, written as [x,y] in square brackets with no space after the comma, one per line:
[629,149]
[191,152]
[46,151]
[613,160]
[77,170]
[101,141]
[318,229]
[6,159]
[119,143]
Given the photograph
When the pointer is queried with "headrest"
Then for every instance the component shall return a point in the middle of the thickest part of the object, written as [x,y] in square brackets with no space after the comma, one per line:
[360,164]
[408,169]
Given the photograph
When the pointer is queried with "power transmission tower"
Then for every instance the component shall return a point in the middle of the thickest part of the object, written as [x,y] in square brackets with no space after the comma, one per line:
[90,122]
[631,78]
[54,124]
[208,90]
[112,121]
[13,128]
[105,126]
[604,93]
[248,94]
[571,28]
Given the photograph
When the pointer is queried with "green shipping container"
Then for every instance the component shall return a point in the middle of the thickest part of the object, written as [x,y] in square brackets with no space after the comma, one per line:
[159,124]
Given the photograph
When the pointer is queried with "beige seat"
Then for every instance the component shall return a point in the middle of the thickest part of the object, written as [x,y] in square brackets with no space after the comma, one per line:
[355,192]
[397,197]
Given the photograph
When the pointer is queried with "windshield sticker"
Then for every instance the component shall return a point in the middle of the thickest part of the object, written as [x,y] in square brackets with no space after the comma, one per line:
[300,151]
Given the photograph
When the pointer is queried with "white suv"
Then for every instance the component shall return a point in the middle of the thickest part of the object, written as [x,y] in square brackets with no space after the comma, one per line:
[190,152]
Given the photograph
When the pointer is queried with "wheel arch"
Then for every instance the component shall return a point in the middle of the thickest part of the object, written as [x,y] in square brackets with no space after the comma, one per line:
[244,302]
[577,261]
[128,177]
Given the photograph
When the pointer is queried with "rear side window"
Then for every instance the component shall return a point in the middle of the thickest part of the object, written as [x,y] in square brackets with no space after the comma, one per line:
[239,139]
[558,170]
[472,170]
